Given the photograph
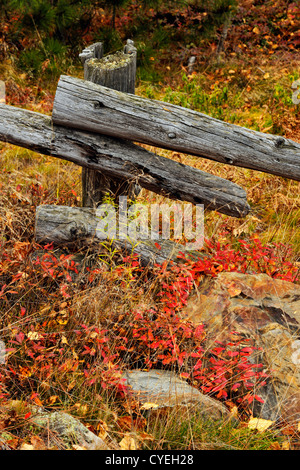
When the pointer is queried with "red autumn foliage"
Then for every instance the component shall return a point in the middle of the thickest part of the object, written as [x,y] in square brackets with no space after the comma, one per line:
[53,348]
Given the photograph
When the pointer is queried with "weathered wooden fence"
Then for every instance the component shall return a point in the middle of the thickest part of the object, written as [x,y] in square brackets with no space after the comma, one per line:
[117,71]
[94,124]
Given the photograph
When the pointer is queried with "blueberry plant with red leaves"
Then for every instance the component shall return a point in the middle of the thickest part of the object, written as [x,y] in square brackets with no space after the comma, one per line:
[54,348]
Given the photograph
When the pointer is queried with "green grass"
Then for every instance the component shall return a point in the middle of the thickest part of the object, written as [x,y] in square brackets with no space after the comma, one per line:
[187,430]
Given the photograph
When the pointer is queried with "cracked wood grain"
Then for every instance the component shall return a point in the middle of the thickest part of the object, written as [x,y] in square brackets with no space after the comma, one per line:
[87,106]
[121,159]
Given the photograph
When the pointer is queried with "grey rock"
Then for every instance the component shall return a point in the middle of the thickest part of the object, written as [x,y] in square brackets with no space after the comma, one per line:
[166,389]
[70,430]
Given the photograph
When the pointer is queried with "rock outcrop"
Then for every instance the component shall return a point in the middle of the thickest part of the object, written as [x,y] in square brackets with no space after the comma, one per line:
[165,389]
[268,311]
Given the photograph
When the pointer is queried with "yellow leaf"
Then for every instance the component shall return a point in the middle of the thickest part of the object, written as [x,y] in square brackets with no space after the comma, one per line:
[64,340]
[102,429]
[34,336]
[52,399]
[285,445]
[149,406]
[75,355]
[82,409]
[25,371]
[260,424]
[77,447]
[128,443]
[244,228]
[234,411]
[25,446]
[231,71]
[266,75]
[256,30]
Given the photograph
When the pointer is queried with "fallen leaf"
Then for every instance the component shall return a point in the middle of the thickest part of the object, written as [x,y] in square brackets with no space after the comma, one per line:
[38,443]
[285,445]
[233,290]
[13,443]
[144,436]
[128,443]
[34,336]
[149,406]
[275,446]
[125,422]
[184,375]
[34,397]
[288,430]
[64,340]
[25,446]
[51,400]
[102,429]
[259,424]
[234,411]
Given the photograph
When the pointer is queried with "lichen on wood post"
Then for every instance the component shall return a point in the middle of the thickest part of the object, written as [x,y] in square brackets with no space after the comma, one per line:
[116,71]
[95,50]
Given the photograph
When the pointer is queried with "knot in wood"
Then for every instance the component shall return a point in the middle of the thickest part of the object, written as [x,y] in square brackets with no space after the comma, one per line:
[279,142]
[172,135]
[98,104]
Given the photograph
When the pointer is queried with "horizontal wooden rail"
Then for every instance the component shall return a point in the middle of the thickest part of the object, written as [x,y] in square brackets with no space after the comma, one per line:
[120,158]
[64,225]
[83,105]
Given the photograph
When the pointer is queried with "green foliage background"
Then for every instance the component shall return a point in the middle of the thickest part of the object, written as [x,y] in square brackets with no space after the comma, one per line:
[42,31]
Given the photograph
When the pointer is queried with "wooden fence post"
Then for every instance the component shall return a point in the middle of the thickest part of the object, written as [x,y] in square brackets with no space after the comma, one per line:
[116,71]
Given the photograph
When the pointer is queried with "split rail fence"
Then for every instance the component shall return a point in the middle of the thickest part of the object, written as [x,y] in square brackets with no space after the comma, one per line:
[94,124]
